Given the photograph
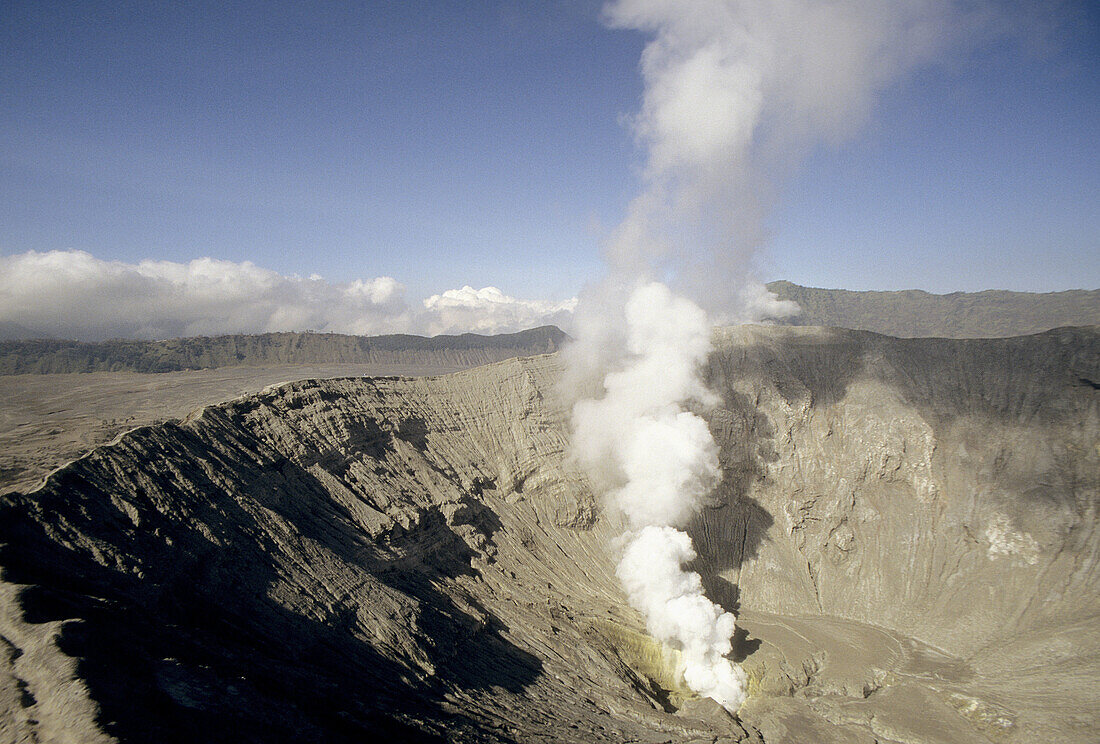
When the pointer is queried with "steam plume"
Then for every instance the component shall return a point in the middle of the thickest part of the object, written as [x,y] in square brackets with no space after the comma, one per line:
[734,89]
[657,462]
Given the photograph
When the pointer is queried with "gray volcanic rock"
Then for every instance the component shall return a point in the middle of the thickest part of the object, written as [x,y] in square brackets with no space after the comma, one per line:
[943,493]
[907,527]
[50,420]
[993,313]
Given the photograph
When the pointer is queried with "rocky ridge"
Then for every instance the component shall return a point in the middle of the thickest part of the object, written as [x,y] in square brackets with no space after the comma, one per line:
[993,313]
[45,356]
[907,528]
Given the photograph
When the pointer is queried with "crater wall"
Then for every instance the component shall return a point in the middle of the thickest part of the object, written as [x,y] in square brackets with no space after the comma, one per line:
[907,528]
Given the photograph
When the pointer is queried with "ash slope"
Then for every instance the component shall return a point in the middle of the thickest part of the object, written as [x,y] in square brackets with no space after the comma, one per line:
[908,527]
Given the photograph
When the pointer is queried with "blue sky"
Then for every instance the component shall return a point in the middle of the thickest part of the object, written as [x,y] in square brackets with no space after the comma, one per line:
[485,143]
[985,174]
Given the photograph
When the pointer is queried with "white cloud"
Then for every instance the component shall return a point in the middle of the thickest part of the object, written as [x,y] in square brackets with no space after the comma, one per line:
[73,294]
[489,310]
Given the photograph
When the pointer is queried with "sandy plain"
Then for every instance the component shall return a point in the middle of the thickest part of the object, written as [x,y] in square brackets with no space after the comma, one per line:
[49,420]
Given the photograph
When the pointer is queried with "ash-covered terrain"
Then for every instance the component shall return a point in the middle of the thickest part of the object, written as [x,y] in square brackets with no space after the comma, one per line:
[64,397]
[906,528]
[994,313]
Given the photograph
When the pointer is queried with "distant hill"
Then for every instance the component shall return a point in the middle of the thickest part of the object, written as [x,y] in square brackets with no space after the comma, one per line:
[468,349]
[912,313]
[10,331]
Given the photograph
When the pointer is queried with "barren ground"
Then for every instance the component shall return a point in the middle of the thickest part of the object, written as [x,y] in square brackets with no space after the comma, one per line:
[48,420]
[906,527]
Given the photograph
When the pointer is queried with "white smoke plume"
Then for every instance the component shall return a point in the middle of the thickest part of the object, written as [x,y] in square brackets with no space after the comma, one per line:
[74,295]
[622,435]
[677,612]
[736,93]
[657,462]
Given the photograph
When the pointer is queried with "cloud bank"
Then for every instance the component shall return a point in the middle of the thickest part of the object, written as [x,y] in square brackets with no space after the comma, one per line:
[74,295]
[488,310]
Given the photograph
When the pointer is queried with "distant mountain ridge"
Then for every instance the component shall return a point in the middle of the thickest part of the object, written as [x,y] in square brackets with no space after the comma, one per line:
[468,349]
[916,313]
[905,314]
